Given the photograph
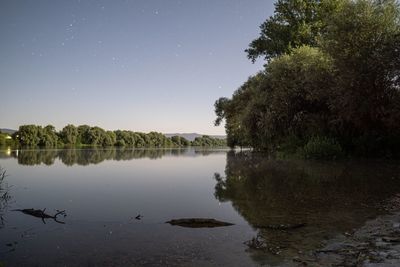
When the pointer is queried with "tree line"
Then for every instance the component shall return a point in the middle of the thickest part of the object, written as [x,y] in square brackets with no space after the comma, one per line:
[85,135]
[330,84]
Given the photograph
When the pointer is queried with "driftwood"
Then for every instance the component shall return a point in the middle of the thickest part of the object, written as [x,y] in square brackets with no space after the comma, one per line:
[41,214]
[198,223]
[281,226]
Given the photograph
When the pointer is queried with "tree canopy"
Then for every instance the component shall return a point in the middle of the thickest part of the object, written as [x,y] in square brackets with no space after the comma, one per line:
[85,135]
[331,77]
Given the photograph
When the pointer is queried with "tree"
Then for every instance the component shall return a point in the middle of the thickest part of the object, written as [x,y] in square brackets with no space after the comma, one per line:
[28,135]
[363,38]
[69,134]
[297,97]
[2,139]
[332,78]
[48,136]
[207,141]
[96,136]
[233,110]
[83,134]
[295,23]
[179,141]
[110,139]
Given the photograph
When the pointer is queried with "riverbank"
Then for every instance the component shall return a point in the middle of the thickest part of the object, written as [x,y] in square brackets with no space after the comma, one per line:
[377,243]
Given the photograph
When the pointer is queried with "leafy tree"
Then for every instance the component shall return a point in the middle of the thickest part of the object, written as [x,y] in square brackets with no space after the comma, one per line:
[69,134]
[295,23]
[110,138]
[179,141]
[363,38]
[2,139]
[96,136]
[145,139]
[48,136]
[233,110]
[207,141]
[333,74]
[28,135]
[297,97]
[83,134]
[140,140]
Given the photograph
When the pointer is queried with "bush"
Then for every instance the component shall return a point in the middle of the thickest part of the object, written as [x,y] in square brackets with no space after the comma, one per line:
[321,148]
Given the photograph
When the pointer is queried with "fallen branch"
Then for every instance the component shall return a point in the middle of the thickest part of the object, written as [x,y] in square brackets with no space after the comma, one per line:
[41,214]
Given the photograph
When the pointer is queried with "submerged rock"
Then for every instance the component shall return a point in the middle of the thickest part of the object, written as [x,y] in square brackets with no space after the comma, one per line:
[198,223]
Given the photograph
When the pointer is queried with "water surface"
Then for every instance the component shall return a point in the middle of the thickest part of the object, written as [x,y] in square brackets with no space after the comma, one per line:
[103,190]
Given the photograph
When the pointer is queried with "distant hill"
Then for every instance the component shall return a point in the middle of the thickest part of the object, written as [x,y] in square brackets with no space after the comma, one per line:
[192,136]
[7,131]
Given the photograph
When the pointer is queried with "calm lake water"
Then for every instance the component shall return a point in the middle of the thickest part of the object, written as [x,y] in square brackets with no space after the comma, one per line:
[102,191]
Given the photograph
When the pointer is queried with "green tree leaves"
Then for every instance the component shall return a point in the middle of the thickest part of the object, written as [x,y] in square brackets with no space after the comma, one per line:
[85,135]
[295,23]
[333,70]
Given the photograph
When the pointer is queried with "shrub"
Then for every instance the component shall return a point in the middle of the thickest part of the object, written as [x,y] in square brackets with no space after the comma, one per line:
[321,148]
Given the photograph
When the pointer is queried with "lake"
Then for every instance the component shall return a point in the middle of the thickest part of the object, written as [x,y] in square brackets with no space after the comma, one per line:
[103,190]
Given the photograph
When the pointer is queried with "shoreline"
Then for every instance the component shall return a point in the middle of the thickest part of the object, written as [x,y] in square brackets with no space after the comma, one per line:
[376,243]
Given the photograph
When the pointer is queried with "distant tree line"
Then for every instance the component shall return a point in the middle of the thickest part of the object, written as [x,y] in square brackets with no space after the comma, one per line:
[331,82]
[85,135]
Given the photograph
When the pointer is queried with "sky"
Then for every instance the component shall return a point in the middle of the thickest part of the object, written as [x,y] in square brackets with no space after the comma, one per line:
[141,65]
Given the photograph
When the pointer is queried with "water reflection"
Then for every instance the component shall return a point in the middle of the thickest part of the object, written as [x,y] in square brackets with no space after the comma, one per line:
[330,198]
[96,155]
[5,196]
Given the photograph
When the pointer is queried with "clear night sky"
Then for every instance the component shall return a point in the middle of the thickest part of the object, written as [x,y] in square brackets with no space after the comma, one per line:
[136,65]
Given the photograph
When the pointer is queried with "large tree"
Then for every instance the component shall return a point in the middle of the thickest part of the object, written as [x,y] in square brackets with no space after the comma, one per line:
[69,134]
[332,76]
[295,23]
[363,38]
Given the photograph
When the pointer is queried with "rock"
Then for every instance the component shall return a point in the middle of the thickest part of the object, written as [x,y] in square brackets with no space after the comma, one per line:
[198,223]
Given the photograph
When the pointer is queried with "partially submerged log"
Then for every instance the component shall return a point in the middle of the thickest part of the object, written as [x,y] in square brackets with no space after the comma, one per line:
[41,214]
[198,223]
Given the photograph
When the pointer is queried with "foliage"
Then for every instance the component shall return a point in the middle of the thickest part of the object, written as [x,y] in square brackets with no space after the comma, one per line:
[321,148]
[333,70]
[28,135]
[234,110]
[180,141]
[69,134]
[5,140]
[295,23]
[85,135]
[363,38]
[208,141]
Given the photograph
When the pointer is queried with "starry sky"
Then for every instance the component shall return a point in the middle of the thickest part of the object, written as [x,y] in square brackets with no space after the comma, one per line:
[141,65]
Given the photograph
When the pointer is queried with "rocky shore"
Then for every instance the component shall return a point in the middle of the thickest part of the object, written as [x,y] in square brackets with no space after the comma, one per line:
[377,243]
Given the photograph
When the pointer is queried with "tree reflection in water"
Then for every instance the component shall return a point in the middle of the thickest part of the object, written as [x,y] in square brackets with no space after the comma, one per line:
[97,155]
[5,196]
[329,197]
